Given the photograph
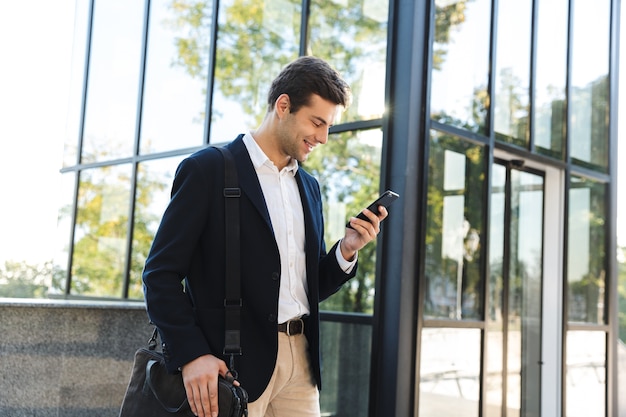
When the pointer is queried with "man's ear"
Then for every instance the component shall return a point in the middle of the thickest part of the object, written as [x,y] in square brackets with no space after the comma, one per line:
[282,104]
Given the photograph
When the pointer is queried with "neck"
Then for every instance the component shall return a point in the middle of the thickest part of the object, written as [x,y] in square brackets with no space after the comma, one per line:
[266,140]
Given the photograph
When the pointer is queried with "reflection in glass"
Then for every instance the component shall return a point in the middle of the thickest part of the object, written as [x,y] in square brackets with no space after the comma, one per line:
[101,231]
[524,294]
[454,229]
[77,79]
[586,270]
[352,36]
[348,170]
[63,235]
[515,293]
[512,76]
[174,100]
[496,303]
[346,349]
[585,379]
[449,372]
[113,83]
[589,100]
[255,40]
[460,98]
[154,181]
[550,78]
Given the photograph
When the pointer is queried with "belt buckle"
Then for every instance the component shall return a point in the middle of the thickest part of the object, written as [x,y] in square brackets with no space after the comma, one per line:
[294,321]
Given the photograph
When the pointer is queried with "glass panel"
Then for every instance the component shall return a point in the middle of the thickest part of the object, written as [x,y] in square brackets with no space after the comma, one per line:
[174,100]
[525,283]
[495,320]
[515,294]
[77,79]
[586,270]
[100,236]
[454,227]
[63,235]
[550,77]
[460,98]
[111,108]
[589,117]
[346,349]
[154,182]
[585,380]
[256,39]
[352,36]
[449,372]
[348,170]
[512,77]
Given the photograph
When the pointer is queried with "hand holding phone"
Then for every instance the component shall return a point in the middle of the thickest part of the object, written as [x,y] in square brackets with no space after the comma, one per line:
[384,200]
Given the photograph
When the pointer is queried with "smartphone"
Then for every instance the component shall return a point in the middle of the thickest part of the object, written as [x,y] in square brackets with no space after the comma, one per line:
[384,200]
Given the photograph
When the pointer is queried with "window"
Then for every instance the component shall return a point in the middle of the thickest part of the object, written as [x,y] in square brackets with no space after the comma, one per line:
[454,227]
[175,87]
[113,81]
[589,101]
[586,259]
[550,78]
[460,98]
[512,76]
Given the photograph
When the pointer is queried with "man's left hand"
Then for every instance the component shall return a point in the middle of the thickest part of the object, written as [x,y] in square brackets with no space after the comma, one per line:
[362,232]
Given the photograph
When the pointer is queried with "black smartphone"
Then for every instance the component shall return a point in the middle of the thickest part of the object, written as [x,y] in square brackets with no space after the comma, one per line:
[384,200]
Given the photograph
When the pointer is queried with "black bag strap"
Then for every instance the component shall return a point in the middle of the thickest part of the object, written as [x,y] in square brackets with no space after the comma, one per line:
[232,300]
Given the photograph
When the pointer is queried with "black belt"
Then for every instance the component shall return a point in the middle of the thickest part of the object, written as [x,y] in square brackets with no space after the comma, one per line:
[292,327]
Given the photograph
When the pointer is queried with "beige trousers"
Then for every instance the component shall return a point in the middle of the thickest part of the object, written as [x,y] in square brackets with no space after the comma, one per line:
[291,390]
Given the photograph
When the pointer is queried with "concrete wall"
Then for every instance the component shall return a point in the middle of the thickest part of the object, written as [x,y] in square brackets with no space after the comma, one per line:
[67,358]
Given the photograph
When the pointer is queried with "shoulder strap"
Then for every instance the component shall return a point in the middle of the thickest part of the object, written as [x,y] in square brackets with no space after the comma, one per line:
[232,300]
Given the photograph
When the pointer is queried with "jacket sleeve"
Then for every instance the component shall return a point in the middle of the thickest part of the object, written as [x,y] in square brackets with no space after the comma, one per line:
[167,265]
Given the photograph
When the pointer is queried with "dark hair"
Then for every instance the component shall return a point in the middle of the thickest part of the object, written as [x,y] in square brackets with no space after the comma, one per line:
[305,76]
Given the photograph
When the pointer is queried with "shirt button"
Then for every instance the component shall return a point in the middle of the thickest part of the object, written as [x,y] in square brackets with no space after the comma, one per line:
[275,276]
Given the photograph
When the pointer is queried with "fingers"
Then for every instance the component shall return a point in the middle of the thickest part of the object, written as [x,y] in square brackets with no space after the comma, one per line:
[363,231]
[200,377]
[371,228]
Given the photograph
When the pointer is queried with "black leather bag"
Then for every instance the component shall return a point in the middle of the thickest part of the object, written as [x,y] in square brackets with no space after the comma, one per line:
[153,392]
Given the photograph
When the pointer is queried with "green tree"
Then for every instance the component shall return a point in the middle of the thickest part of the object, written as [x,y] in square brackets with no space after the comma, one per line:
[24,280]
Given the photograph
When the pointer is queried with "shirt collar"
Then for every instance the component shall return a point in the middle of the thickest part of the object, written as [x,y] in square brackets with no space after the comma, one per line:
[259,158]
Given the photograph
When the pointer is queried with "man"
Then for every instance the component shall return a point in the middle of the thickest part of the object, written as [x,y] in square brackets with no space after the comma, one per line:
[285,270]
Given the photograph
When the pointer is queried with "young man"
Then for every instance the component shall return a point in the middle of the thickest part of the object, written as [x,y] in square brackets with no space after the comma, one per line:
[285,270]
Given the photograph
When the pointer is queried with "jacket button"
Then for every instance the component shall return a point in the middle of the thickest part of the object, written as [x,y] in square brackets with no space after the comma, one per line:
[271,318]
[275,276]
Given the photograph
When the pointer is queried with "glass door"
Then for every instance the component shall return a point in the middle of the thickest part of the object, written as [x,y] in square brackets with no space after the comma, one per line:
[514,302]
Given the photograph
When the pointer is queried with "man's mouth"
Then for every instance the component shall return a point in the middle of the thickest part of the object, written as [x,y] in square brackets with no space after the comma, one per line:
[310,145]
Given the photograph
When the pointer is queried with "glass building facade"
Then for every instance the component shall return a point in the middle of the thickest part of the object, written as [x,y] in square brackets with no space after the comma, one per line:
[490,291]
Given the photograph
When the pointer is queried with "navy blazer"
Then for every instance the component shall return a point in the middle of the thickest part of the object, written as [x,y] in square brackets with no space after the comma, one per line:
[184,272]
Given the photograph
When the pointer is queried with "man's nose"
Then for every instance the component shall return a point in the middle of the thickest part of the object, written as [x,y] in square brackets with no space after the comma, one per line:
[322,137]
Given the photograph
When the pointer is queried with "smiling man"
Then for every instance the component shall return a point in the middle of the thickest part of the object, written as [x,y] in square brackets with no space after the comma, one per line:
[285,269]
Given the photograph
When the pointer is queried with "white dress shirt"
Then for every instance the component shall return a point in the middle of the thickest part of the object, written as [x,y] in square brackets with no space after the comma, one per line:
[282,198]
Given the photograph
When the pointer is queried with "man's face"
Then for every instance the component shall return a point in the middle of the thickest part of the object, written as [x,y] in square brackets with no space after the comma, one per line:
[302,131]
